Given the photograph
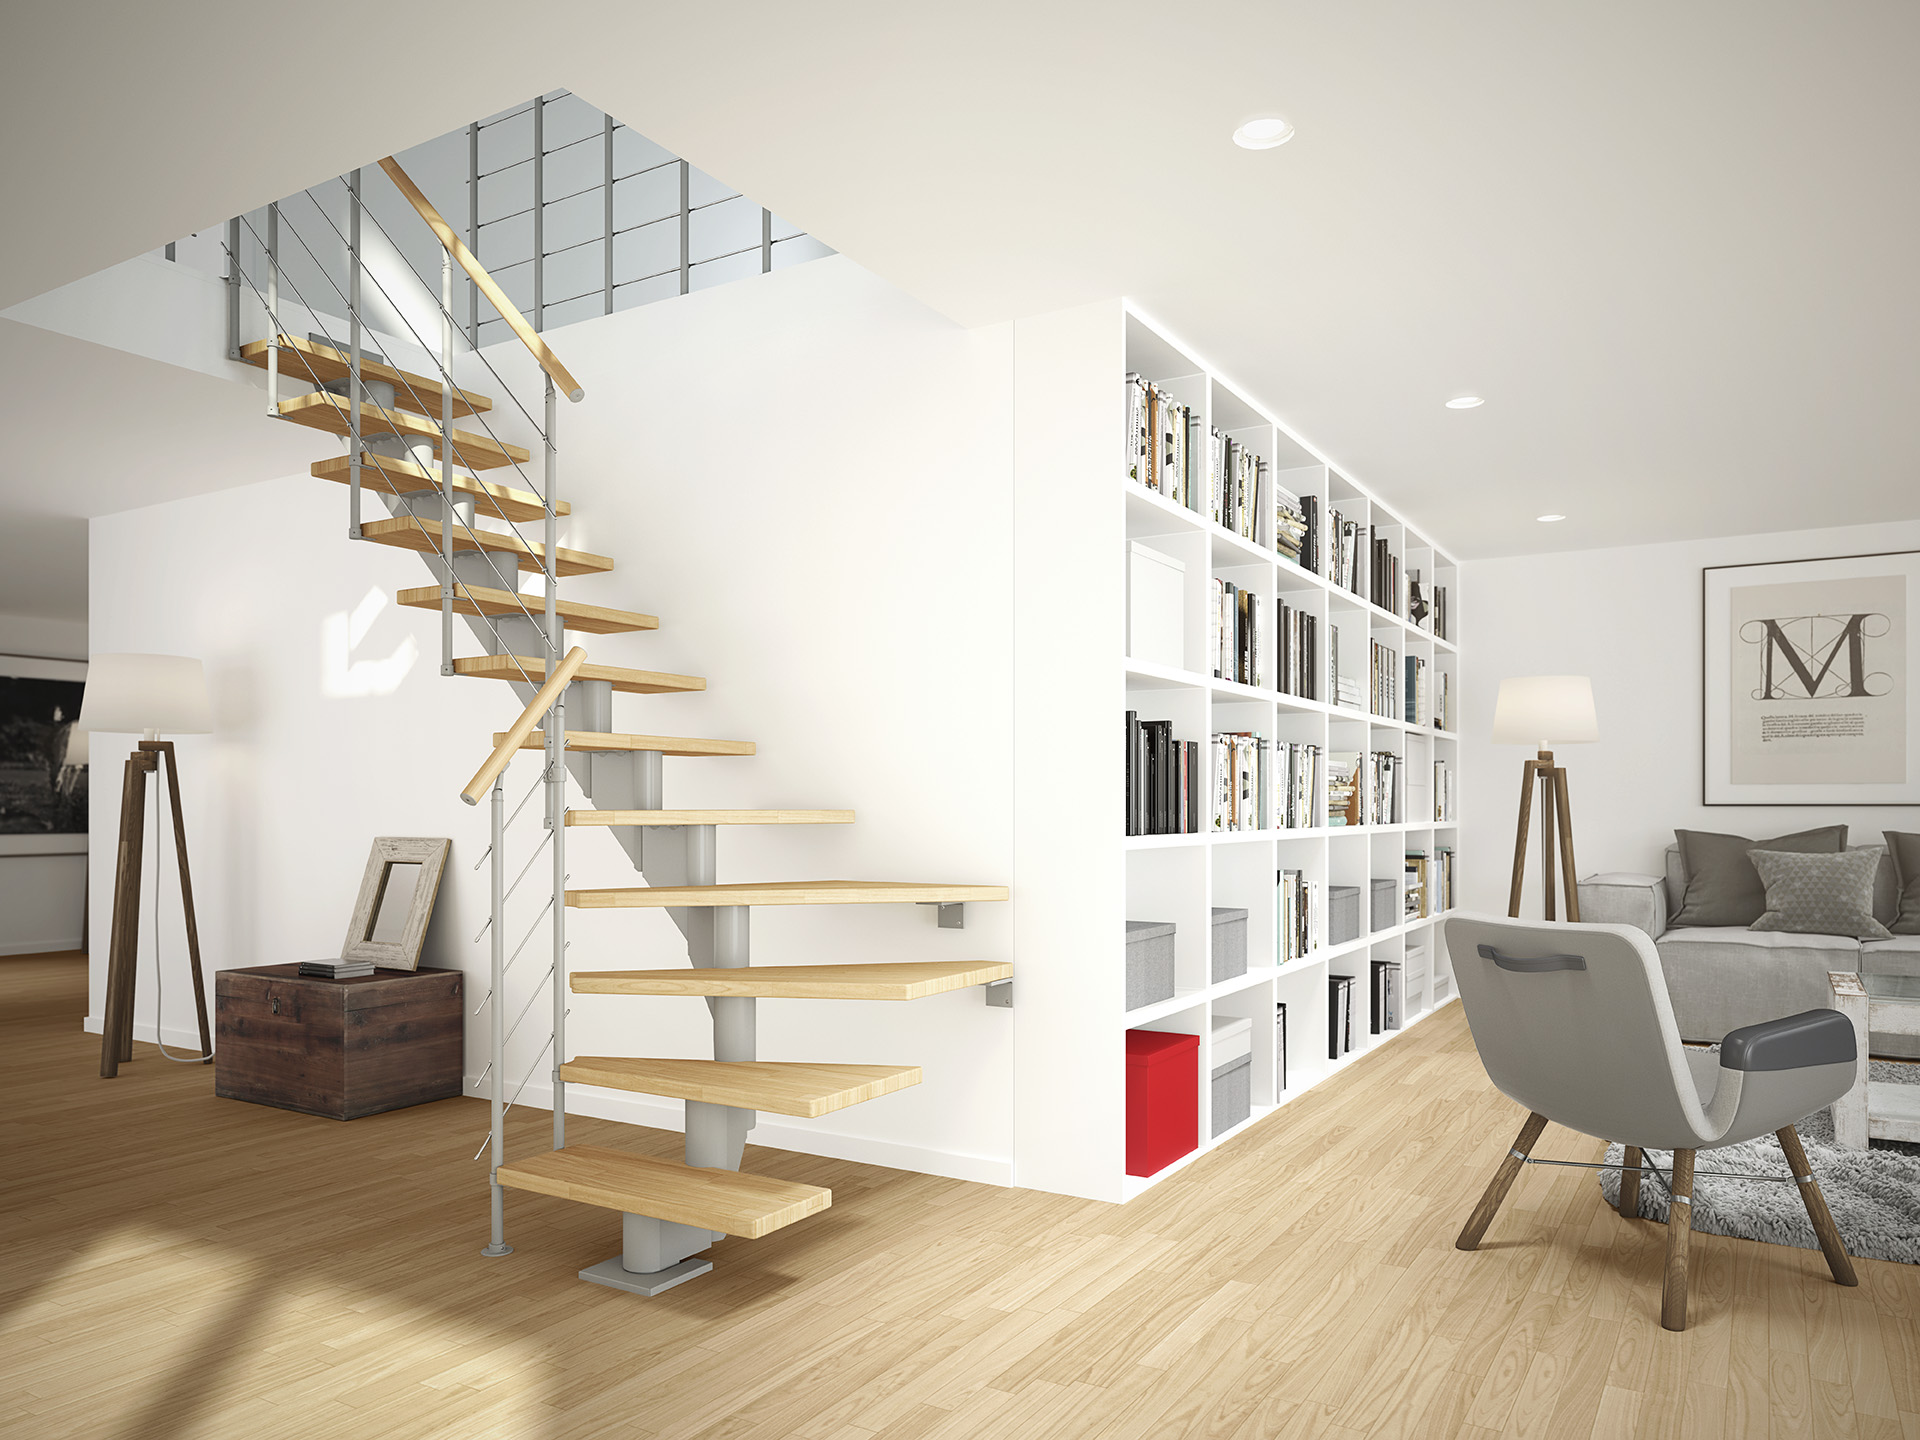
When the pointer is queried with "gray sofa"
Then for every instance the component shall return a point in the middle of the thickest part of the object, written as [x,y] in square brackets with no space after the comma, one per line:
[1722,977]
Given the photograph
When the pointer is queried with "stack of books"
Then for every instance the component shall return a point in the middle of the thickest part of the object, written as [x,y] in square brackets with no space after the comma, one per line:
[1384,576]
[337,969]
[1239,479]
[1160,443]
[1302,915]
[1296,528]
[1299,641]
[1237,651]
[1163,784]
[1415,907]
[1384,682]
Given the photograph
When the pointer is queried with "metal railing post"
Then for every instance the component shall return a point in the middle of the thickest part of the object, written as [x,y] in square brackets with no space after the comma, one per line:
[556,759]
[273,308]
[686,228]
[607,282]
[473,229]
[353,356]
[233,288]
[447,520]
[539,212]
[497,1048]
[766,241]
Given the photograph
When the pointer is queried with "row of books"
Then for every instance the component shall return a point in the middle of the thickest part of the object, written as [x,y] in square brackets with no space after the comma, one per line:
[1262,784]
[1417,706]
[1299,667]
[1296,528]
[1160,449]
[1364,788]
[1389,1004]
[1443,703]
[1239,481]
[1343,539]
[1303,914]
[1444,798]
[1164,786]
[1429,888]
[1414,896]
[1383,682]
[1383,576]
[1346,686]
[1237,651]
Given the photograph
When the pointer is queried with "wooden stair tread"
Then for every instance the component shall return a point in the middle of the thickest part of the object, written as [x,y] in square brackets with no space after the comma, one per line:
[782,892]
[913,980]
[532,667]
[600,741]
[319,364]
[323,410]
[407,478]
[725,1200]
[709,817]
[783,1087]
[410,532]
[483,600]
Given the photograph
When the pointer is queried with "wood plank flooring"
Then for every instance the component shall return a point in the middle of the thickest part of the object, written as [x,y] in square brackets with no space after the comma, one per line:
[173,1265]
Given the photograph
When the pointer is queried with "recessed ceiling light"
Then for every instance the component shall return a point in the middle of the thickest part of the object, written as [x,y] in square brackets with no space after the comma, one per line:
[1264,133]
[1464,402]
[1549,519]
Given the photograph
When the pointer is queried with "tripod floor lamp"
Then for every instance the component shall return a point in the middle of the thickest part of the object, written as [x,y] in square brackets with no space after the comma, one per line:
[1539,710]
[147,695]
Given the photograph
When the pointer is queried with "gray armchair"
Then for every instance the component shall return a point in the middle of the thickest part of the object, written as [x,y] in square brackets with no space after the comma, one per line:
[1573,1022]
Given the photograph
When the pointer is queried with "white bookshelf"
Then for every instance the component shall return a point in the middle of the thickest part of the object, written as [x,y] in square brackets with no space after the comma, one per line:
[1181,878]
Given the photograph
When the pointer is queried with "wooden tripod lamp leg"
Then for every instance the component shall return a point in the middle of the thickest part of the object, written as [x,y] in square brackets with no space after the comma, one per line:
[186,899]
[1543,767]
[1502,1182]
[116,1014]
[1520,838]
[1564,814]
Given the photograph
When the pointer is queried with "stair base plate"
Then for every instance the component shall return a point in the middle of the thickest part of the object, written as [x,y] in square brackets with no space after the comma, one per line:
[616,1276]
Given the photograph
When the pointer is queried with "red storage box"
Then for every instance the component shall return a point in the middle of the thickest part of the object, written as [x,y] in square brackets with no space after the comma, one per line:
[1163,1099]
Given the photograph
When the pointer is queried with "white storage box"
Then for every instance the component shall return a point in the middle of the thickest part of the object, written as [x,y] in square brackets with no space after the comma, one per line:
[1232,1038]
[1156,607]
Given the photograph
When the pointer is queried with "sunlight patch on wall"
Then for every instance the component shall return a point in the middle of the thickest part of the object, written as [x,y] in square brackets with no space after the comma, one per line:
[342,677]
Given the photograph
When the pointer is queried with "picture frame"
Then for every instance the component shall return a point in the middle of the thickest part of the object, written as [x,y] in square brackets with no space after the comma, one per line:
[395,903]
[1808,674]
[67,791]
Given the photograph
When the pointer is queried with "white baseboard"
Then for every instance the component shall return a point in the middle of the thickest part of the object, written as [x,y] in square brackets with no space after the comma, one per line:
[774,1132]
[175,1037]
[38,947]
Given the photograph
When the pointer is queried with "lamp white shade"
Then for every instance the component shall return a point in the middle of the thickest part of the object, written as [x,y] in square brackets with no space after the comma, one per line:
[76,747]
[135,694]
[1544,710]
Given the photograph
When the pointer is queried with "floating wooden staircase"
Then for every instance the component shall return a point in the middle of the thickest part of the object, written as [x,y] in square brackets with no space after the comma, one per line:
[673,1209]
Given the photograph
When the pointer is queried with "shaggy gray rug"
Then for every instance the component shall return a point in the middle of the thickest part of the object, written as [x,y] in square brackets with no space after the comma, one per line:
[1874,1193]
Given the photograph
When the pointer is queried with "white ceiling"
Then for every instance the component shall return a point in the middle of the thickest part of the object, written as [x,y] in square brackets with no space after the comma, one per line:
[1672,245]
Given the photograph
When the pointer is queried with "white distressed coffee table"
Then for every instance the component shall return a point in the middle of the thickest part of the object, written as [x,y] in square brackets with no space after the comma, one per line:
[1889,1004]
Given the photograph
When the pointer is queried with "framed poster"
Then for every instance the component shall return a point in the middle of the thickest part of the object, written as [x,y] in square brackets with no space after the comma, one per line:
[1807,676]
[43,788]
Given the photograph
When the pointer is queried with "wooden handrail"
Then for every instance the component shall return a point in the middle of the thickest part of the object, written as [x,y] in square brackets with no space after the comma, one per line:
[549,361]
[523,727]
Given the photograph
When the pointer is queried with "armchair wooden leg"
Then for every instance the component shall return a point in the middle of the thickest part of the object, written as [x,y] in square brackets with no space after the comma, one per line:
[1838,1261]
[1630,1183]
[1502,1181]
[1673,1289]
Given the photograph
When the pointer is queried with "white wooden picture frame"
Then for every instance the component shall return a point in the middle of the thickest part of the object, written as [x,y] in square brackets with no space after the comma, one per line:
[402,952]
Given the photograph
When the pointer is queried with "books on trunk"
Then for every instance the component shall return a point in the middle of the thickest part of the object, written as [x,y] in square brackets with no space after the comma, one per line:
[1164,786]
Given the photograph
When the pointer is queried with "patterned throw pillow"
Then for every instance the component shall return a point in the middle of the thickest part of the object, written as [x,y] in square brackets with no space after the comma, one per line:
[1811,894]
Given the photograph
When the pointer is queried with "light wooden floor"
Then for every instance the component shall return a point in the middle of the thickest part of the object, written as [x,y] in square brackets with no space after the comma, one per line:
[172,1265]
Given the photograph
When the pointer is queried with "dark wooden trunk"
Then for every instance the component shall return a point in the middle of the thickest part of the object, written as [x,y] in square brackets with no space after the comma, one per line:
[339,1048]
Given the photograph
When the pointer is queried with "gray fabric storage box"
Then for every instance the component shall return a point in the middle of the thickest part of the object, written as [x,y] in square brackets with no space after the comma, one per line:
[1386,901]
[1149,962]
[1229,943]
[1232,1093]
[1343,914]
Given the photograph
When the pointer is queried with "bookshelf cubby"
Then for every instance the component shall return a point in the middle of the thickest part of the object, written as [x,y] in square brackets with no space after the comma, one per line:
[1180,878]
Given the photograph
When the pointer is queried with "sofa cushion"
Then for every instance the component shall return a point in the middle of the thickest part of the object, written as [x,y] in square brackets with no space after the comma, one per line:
[1886,885]
[1723,888]
[1721,977]
[1898,956]
[1904,851]
[1819,894]
[1620,898]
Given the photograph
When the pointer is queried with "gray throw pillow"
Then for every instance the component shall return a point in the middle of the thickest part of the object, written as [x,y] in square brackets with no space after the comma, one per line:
[1812,894]
[1723,888]
[1905,850]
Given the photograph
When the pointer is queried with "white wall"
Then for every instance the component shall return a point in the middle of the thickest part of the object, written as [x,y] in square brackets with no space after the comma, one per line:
[1630,618]
[807,477]
[42,879]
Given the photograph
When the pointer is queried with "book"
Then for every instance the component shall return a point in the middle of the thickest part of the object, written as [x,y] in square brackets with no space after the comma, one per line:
[1385,1010]
[1339,1016]
[1279,1047]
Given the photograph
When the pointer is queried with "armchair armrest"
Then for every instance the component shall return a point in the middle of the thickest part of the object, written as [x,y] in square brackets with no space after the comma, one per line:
[1773,1073]
[1618,898]
[1793,1042]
